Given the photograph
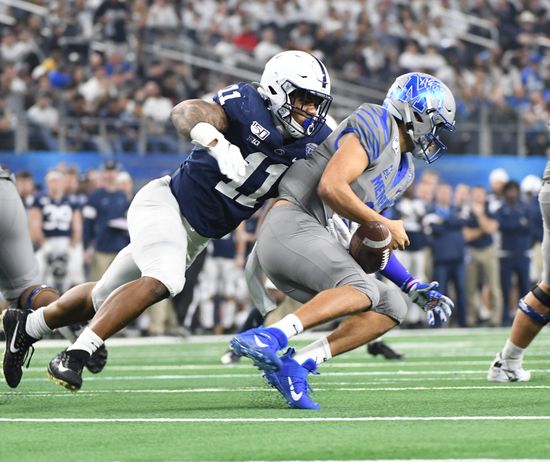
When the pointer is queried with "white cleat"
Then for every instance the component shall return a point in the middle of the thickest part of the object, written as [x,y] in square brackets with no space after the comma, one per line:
[503,370]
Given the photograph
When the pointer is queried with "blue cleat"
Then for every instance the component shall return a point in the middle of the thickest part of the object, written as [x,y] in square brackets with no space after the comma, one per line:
[291,381]
[261,345]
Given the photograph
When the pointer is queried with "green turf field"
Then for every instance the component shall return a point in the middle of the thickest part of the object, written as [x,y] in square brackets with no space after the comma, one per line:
[175,401]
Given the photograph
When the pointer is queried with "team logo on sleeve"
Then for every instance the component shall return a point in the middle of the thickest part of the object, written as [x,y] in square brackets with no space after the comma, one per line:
[259,131]
[310,149]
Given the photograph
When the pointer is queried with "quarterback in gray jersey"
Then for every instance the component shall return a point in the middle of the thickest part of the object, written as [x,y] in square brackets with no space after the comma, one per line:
[533,309]
[360,170]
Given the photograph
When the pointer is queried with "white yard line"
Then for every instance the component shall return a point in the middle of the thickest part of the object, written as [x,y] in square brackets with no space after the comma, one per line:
[459,373]
[496,387]
[270,420]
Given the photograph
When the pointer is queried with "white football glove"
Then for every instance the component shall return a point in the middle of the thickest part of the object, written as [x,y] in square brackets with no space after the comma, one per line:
[340,231]
[437,306]
[230,160]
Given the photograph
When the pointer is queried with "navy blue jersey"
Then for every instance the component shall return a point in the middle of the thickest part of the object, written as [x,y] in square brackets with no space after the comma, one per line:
[225,247]
[215,205]
[57,215]
[101,214]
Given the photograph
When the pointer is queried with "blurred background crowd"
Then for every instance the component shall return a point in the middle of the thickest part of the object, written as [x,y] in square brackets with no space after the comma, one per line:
[483,246]
[102,75]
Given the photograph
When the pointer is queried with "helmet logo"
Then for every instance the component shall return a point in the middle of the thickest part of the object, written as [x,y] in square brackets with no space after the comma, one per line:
[417,89]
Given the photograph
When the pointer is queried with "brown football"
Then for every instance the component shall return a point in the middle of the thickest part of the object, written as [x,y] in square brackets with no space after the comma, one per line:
[370,246]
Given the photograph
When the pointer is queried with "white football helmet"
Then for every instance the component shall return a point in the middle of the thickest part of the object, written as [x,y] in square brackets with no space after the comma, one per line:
[426,106]
[296,71]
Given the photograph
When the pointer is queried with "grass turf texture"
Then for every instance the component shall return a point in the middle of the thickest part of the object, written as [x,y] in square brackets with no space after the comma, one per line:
[435,404]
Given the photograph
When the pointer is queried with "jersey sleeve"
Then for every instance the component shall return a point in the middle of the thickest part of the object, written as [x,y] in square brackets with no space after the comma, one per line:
[372,125]
[238,99]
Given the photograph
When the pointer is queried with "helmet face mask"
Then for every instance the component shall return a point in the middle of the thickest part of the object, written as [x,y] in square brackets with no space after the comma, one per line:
[427,108]
[295,82]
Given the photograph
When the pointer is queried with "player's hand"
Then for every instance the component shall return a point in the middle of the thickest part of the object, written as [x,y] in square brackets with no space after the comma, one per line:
[339,230]
[437,306]
[400,240]
[230,160]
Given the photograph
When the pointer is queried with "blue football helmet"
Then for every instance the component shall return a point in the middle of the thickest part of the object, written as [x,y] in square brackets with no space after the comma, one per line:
[426,106]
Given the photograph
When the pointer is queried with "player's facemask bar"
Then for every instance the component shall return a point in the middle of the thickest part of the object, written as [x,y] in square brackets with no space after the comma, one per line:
[429,147]
[313,121]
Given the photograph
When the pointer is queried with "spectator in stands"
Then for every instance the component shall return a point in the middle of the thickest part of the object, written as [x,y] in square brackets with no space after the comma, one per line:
[156,109]
[516,241]
[482,264]
[7,125]
[43,124]
[104,217]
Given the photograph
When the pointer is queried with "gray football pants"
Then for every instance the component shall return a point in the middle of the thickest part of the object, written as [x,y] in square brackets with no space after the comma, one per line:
[18,265]
[302,259]
[544,202]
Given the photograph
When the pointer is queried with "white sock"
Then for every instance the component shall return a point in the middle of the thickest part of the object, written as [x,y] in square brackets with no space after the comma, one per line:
[36,325]
[512,354]
[318,351]
[88,341]
[290,325]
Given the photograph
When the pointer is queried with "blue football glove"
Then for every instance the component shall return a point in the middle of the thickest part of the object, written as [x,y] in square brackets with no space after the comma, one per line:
[437,306]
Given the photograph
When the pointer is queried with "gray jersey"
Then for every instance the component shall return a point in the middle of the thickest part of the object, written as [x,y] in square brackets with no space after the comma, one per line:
[386,178]
[546,174]
[4,173]
[18,265]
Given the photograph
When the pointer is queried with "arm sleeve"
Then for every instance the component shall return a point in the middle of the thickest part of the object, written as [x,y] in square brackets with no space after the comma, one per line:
[397,273]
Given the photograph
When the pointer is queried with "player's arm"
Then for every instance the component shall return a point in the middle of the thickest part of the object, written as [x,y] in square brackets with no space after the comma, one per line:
[76,228]
[240,244]
[189,113]
[345,166]
[204,123]
[35,226]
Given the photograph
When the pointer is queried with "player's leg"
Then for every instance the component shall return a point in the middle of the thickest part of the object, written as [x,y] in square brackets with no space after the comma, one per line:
[303,260]
[353,332]
[532,315]
[157,256]
[19,276]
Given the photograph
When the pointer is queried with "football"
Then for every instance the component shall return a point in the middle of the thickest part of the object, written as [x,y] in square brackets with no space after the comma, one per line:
[370,246]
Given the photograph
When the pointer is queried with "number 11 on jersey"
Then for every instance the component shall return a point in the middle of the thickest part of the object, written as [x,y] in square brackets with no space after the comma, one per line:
[254,160]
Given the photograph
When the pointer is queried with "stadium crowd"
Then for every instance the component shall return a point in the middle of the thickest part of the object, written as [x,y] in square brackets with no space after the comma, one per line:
[482,246]
[89,83]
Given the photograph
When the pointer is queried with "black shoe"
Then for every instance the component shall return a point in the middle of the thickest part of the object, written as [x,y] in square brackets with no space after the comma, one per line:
[18,343]
[380,348]
[66,368]
[97,361]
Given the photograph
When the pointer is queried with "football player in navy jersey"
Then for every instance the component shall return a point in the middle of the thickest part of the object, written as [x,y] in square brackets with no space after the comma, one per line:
[56,227]
[245,141]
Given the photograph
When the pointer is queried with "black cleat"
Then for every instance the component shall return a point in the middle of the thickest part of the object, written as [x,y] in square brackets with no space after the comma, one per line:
[97,361]
[66,368]
[18,343]
[380,348]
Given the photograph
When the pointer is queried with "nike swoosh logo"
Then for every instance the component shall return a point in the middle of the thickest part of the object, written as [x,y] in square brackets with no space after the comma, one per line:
[259,342]
[62,368]
[12,343]
[295,396]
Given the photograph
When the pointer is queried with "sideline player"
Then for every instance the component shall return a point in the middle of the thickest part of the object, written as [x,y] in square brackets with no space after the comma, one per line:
[21,286]
[533,309]
[245,141]
[360,170]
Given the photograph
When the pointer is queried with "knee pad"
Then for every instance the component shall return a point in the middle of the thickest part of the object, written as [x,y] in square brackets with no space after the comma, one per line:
[99,295]
[544,298]
[28,303]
